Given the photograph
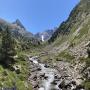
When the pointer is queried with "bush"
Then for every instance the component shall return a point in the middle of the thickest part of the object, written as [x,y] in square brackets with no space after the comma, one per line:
[87,85]
[88,62]
[5,73]
[7,48]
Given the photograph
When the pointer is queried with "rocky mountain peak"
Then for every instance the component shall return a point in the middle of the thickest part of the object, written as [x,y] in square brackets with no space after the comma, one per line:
[18,23]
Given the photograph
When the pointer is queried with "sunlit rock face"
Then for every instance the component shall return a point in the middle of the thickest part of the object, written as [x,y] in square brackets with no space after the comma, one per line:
[21,29]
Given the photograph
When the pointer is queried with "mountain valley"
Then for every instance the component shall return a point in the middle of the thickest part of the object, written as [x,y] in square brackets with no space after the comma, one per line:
[51,60]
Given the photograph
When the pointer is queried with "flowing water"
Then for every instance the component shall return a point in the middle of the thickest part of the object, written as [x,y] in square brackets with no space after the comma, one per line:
[50,79]
[50,73]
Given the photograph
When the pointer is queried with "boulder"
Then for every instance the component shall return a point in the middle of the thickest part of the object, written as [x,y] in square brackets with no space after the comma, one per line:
[42,75]
[54,82]
[17,68]
[73,82]
[39,69]
[62,85]
[36,86]
[79,87]
[35,78]
[46,66]
[46,77]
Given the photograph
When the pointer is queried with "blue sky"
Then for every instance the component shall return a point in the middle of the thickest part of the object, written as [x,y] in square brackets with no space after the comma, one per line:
[37,15]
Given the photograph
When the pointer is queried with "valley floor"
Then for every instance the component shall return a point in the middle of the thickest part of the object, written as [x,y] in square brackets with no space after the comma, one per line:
[59,68]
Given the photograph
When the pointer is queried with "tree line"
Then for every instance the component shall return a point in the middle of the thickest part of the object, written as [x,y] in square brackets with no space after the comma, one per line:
[7,50]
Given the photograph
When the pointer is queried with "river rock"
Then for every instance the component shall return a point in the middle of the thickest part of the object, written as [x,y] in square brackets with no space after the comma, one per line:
[46,66]
[54,82]
[62,85]
[39,69]
[17,69]
[87,73]
[79,87]
[35,78]
[58,77]
[46,77]
[73,82]
[36,86]
[42,75]
[67,86]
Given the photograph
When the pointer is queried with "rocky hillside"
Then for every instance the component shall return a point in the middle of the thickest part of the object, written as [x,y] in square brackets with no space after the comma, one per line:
[16,27]
[44,36]
[76,18]
[74,33]
[22,36]
[22,29]
[71,41]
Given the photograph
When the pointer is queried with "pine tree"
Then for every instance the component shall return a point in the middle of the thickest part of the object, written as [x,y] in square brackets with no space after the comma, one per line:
[7,49]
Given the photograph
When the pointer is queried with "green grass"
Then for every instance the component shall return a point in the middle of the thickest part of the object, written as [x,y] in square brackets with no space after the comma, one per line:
[87,82]
[83,34]
[86,60]
[65,56]
[87,85]
[8,77]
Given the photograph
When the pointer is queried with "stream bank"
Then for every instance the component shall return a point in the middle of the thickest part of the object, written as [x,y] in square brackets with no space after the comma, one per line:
[63,77]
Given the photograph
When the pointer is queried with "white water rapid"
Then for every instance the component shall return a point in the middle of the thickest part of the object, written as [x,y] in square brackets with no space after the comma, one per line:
[49,73]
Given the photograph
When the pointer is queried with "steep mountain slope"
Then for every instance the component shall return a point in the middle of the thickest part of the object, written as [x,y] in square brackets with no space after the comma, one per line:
[19,23]
[22,29]
[78,15]
[22,36]
[75,31]
[44,36]
[71,41]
